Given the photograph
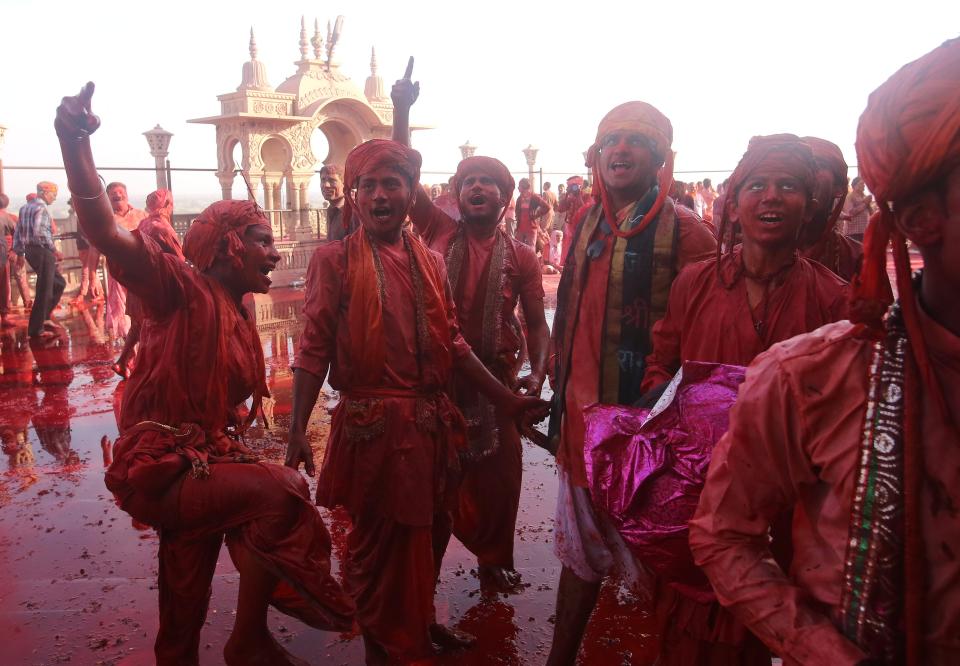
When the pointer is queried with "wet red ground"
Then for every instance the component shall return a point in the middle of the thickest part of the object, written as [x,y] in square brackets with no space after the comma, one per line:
[78,579]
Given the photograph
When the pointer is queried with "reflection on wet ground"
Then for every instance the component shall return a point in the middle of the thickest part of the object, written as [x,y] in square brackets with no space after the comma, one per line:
[78,579]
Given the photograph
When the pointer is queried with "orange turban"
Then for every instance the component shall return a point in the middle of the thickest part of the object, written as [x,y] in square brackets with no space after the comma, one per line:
[158,200]
[647,120]
[46,186]
[374,154]
[638,117]
[221,225]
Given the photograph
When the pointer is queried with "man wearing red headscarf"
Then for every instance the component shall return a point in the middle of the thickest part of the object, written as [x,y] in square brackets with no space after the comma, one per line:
[490,272]
[854,426]
[822,240]
[758,293]
[380,315]
[625,253]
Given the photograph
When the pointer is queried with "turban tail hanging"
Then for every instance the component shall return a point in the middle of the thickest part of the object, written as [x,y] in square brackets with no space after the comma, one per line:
[644,119]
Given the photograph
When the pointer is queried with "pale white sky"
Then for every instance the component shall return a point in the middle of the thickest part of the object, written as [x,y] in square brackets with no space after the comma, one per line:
[501,74]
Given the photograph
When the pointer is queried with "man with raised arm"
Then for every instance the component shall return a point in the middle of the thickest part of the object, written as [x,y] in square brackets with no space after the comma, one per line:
[490,272]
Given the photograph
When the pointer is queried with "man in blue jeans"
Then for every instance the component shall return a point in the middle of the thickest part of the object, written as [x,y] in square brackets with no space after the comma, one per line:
[33,238]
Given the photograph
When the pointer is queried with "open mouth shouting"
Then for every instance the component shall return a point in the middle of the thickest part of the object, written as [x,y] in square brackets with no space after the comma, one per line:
[620,166]
[770,218]
[382,214]
[265,271]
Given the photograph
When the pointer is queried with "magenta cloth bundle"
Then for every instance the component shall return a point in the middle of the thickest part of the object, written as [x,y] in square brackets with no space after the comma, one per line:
[646,468]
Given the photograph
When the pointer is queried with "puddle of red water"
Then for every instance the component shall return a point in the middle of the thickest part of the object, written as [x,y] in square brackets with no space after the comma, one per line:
[78,581]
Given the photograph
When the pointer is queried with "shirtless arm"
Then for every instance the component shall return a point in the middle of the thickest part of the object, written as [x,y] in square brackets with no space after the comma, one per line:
[74,124]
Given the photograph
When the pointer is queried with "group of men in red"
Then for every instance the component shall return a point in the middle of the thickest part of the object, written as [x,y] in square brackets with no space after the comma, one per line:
[826,523]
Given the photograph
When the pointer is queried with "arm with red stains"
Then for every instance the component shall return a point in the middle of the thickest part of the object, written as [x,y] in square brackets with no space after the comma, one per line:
[315,350]
[75,122]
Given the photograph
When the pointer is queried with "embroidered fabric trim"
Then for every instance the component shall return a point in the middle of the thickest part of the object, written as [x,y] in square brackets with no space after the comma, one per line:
[871,602]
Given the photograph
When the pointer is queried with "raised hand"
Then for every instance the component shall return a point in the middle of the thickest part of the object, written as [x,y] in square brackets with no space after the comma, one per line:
[75,119]
[405,92]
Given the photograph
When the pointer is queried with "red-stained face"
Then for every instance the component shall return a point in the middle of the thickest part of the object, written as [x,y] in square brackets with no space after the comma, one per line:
[118,199]
[383,199]
[772,206]
[259,258]
[480,198]
[627,162]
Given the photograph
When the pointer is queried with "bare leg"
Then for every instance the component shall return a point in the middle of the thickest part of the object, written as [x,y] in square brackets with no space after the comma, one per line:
[575,601]
[251,642]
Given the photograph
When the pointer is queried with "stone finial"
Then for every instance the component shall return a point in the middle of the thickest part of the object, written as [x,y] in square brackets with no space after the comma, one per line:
[254,76]
[373,90]
[303,38]
[317,41]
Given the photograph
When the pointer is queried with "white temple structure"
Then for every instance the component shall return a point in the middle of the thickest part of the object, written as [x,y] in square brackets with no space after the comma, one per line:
[274,126]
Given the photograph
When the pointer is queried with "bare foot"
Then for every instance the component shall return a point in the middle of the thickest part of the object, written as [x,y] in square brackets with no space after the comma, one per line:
[448,638]
[51,325]
[264,651]
[499,579]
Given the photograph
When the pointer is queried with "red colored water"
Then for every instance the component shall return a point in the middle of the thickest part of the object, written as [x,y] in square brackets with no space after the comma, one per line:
[78,578]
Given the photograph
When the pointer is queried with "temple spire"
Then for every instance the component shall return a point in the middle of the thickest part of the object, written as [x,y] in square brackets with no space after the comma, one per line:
[303,38]
[254,76]
[317,41]
[373,90]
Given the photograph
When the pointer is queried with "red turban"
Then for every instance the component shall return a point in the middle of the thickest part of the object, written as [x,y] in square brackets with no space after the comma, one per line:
[158,200]
[490,167]
[374,154]
[908,140]
[575,180]
[221,225]
[647,120]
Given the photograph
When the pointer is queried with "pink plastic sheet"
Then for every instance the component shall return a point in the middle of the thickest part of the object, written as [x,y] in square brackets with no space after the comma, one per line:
[646,468]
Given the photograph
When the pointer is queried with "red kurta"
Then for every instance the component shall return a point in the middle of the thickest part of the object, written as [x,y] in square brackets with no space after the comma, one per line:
[389,461]
[490,489]
[794,443]
[706,321]
[199,361]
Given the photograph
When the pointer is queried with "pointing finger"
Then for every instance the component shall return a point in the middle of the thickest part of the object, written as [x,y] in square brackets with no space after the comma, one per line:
[407,74]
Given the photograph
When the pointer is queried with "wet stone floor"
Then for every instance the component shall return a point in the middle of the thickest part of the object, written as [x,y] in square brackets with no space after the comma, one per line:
[78,577]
